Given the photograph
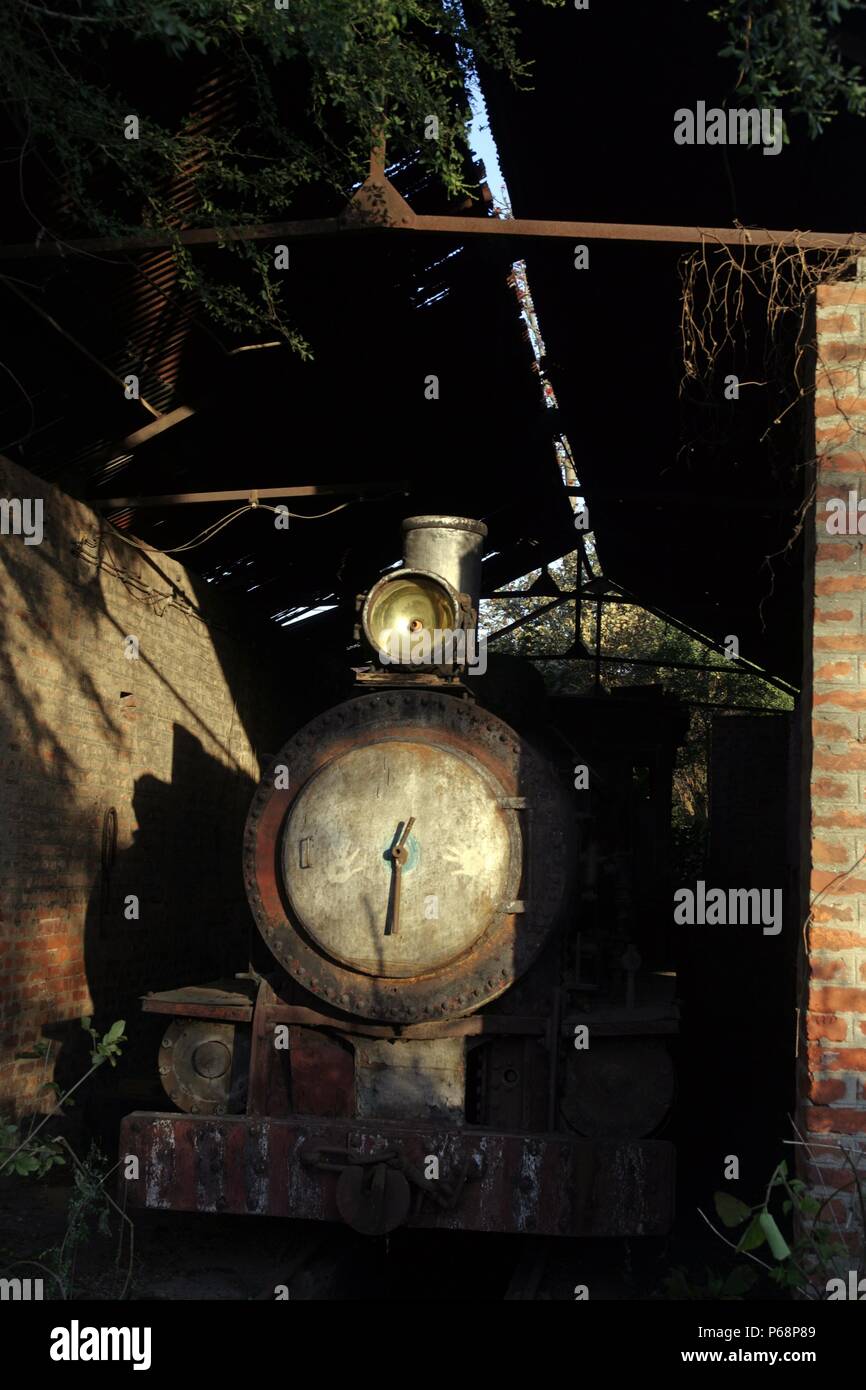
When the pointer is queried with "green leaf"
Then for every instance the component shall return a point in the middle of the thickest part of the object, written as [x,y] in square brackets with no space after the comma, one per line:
[731,1211]
[115,1031]
[86,1021]
[752,1237]
[775,1239]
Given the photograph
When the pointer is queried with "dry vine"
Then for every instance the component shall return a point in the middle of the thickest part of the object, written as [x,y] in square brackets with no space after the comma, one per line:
[725,290]
[714,299]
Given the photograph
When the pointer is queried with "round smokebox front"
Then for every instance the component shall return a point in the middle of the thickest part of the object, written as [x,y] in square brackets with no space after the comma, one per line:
[395,875]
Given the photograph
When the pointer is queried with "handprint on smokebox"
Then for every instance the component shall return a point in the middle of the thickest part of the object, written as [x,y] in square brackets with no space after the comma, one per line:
[462,860]
[343,865]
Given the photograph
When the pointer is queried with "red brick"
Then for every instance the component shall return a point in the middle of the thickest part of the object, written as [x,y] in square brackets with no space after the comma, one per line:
[826,853]
[849,1059]
[825,1092]
[853,760]
[834,615]
[844,584]
[825,789]
[836,1210]
[825,1026]
[826,730]
[842,352]
[843,292]
[840,432]
[816,1057]
[834,378]
[843,699]
[820,1175]
[824,969]
[834,671]
[844,406]
[826,939]
[837,552]
[837,323]
[823,1120]
[838,1001]
[842,460]
[827,405]
[824,911]
[841,642]
[839,820]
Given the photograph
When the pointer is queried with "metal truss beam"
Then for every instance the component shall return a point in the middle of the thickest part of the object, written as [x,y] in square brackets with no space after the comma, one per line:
[377,206]
[245,494]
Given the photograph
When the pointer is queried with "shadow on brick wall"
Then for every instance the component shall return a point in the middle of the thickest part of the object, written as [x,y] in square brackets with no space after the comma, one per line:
[167,911]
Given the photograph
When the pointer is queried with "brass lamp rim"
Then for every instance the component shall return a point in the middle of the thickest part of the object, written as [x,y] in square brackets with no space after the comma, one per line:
[380,587]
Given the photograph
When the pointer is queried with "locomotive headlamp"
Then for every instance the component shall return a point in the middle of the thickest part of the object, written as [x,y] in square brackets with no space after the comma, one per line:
[404,612]
[418,615]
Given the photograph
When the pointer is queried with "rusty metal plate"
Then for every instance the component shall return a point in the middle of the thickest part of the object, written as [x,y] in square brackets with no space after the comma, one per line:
[544,1185]
[322,1073]
[532,805]
[232,1000]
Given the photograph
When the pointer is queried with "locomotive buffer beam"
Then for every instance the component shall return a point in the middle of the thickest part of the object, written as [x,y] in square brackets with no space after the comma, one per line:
[545,1184]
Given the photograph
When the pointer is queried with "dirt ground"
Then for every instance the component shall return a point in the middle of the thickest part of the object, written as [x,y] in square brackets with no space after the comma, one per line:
[227,1258]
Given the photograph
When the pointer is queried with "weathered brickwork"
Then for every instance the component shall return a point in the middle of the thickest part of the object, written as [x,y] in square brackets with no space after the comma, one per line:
[833,968]
[160,747]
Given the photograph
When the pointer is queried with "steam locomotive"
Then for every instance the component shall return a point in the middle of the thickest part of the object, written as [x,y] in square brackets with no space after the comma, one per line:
[461,1016]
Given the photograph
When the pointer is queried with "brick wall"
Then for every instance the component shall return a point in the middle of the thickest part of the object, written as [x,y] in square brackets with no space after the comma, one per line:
[169,741]
[833,965]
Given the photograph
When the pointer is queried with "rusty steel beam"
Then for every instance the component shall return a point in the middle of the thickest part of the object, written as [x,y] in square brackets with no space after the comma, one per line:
[514,227]
[160,241]
[165,422]
[631,231]
[225,1005]
[378,206]
[230,1013]
[479,1025]
[244,494]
